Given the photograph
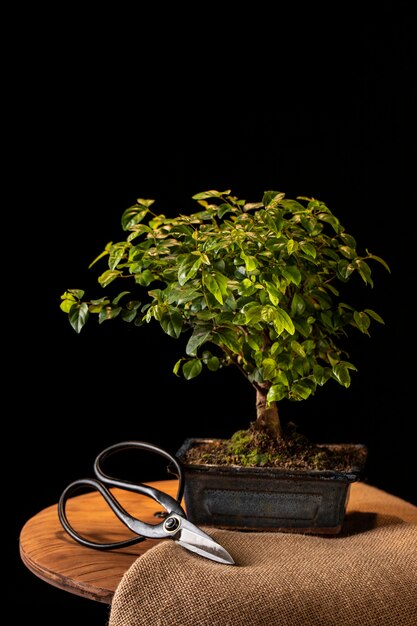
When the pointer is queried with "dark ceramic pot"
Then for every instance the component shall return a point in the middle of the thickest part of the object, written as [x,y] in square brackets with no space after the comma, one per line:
[268,499]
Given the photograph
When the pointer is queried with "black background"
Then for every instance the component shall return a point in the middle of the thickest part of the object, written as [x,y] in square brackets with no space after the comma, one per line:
[108,108]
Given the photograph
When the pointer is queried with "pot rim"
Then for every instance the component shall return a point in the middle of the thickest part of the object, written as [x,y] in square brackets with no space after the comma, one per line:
[355,474]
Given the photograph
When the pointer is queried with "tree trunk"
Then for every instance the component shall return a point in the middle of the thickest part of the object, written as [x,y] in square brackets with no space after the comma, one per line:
[267,417]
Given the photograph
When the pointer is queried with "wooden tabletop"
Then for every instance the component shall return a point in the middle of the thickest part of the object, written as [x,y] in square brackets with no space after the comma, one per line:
[51,554]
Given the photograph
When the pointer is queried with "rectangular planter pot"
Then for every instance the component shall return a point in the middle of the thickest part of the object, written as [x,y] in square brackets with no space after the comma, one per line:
[269,499]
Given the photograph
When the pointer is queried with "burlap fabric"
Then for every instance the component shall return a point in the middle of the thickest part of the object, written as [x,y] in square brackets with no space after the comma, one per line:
[367,575]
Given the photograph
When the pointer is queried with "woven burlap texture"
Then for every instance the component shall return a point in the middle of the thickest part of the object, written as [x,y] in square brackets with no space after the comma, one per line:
[366,575]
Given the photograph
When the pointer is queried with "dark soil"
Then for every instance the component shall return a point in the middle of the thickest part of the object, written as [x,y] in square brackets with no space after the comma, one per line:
[252,448]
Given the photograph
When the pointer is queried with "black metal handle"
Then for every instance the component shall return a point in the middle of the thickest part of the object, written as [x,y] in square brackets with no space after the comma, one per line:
[111,501]
[141,529]
[170,504]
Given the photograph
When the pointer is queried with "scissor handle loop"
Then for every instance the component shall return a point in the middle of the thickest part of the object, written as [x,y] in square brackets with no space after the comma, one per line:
[102,484]
[162,498]
[111,501]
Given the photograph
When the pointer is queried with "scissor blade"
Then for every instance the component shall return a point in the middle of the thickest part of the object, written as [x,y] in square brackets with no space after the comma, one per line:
[195,540]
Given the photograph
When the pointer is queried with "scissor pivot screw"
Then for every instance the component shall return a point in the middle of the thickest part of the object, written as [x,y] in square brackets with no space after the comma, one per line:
[171,524]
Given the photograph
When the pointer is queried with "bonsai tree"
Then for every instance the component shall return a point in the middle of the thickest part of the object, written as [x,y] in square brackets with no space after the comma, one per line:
[254,285]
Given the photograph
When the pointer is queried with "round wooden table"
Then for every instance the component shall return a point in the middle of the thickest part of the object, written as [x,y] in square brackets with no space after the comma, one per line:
[51,554]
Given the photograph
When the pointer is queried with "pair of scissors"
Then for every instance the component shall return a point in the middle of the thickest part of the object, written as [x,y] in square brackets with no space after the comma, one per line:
[175,525]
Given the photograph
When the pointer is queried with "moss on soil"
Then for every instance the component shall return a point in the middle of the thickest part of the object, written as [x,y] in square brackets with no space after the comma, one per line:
[253,448]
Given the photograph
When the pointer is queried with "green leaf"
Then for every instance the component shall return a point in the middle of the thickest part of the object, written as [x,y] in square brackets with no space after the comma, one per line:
[332,220]
[251,262]
[269,222]
[301,366]
[347,252]
[321,374]
[145,278]
[117,252]
[210,194]
[223,209]
[130,309]
[210,282]
[181,229]
[269,313]
[177,366]
[271,199]
[276,393]
[222,282]
[375,316]
[251,206]
[327,320]
[69,298]
[309,346]
[73,293]
[198,337]
[105,252]
[192,368]
[348,240]
[269,367]
[308,249]
[303,327]
[292,274]
[273,293]
[298,305]
[281,378]
[252,342]
[96,306]
[293,205]
[133,215]
[188,268]
[108,313]
[137,231]
[121,295]
[301,390]
[78,316]
[292,246]
[344,269]
[128,315]
[364,271]
[298,349]
[362,321]
[341,372]
[378,258]
[182,294]
[108,277]
[276,348]
[283,322]
[228,338]
[247,287]
[213,363]
[171,322]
